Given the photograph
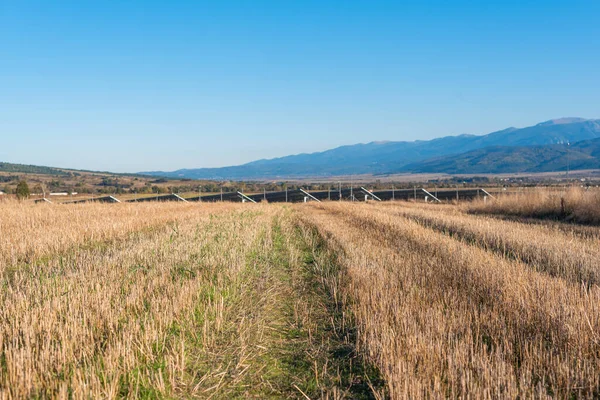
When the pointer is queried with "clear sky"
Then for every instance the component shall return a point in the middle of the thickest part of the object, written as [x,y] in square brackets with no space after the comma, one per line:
[147,85]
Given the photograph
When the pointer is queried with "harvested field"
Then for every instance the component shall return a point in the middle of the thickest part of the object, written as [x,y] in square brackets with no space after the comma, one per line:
[444,316]
[329,300]
[575,204]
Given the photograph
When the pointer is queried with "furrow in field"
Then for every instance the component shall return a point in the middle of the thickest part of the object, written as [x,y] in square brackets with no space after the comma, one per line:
[445,319]
[569,228]
[547,250]
[587,232]
[280,335]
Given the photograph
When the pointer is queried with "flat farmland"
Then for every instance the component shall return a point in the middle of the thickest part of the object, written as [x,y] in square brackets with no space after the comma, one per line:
[318,300]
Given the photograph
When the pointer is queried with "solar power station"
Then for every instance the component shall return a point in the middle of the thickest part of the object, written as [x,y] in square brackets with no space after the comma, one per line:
[467,194]
[103,199]
[345,194]
[304,196]
[165,197]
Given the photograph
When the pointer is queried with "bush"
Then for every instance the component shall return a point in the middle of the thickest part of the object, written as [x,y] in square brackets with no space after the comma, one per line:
[22,190]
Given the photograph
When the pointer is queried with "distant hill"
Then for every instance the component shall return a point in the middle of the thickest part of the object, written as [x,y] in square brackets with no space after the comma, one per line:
[505,159]
[30,169]
[43,179]
[391,157]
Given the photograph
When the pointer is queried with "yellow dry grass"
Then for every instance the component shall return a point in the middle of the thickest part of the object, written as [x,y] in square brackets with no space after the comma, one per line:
[177,300]
[161,301]
[555,250]
[94,320]
[28,231]
[574,204]
[444,318]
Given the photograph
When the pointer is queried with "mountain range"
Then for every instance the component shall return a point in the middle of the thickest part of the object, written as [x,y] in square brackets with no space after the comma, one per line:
[553,145]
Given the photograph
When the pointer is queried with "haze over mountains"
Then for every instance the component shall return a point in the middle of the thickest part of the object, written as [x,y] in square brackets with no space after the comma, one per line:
[539,148]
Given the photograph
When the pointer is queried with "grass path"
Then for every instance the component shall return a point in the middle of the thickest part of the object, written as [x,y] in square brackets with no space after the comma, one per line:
[226,302]
[280,336]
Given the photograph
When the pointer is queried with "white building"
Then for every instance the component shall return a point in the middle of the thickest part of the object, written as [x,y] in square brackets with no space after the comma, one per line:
[63,194]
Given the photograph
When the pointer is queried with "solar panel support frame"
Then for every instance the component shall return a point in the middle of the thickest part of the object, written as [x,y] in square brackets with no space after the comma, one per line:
[244,197]
[310,195]
[178,197]
[432,196]
[368,193]
[487,193]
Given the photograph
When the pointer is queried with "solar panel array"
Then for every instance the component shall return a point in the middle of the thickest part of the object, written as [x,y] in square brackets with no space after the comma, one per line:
[165,197]
[300,195]
[103,199]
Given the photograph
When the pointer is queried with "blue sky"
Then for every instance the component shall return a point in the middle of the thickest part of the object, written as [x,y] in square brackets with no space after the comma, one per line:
[147,85]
